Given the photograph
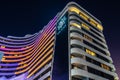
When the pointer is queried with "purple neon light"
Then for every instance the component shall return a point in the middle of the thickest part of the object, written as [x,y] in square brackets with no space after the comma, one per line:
[34,54]
[52,28]
[6,73]
[13,40]
[15,64]
[37,51]
[49,29]
[3,78]
[48,26]
[20,77]
[7,69]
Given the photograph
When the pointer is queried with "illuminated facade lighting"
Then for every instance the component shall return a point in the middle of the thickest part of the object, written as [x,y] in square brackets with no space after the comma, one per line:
[70,47]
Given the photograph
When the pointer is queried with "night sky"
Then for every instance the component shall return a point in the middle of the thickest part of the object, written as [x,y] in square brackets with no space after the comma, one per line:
[20,17]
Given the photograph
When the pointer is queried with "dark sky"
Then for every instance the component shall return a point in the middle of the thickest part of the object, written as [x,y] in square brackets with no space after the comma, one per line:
[20,17]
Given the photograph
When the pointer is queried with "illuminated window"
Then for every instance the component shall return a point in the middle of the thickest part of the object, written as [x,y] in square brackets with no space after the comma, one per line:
[15,55]
[27,47]
[72,56]
[100,27]
[48,78]
[87,37]
[3,58]
[84,16]
[105,67]
[74,9]
[93,23]
[2,46]
[25,65]
[75,67]
[116,78]
[79,12]
[75,25]
[90,52]
[85,26]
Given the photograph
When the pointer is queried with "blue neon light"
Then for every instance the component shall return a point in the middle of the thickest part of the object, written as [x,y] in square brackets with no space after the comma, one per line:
[1,55]
[61,24]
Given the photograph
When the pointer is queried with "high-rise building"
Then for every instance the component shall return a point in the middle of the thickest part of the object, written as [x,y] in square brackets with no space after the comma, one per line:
[70,47]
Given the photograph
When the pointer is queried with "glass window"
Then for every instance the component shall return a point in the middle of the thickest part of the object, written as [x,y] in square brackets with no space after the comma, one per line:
[75,25]
[85,26]
[87,37]
[105,67]
[74,9]
[2,46]
[85,17]
[90,52]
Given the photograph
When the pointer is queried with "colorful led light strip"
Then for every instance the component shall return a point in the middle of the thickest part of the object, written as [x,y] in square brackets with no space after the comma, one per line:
[24,54]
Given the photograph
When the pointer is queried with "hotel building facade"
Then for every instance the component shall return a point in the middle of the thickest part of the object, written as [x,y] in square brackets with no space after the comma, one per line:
[70,47]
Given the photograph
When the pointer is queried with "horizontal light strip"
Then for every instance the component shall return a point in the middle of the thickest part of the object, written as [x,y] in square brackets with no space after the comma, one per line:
[39,48]
[40,57]
[12,60]
[48,59]
[44,46]
[36,58]
[34,51]
[21,71]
